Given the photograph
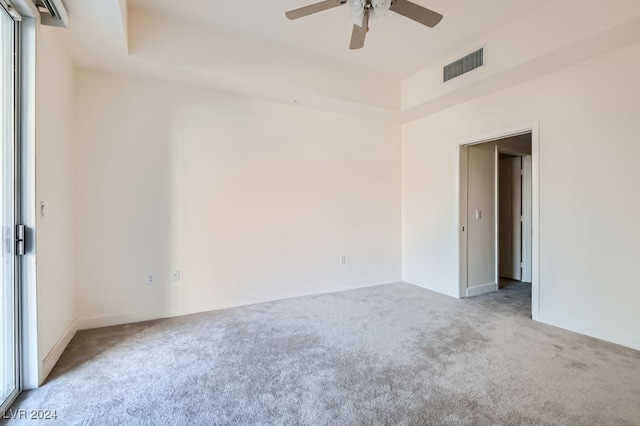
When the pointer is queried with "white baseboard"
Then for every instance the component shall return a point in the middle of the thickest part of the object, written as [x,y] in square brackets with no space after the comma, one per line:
[596,332]
[482,289]
[213,305]
[54,354]
[120,318]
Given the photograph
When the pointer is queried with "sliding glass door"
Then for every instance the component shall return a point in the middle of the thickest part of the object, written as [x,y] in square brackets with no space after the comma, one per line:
[9,384]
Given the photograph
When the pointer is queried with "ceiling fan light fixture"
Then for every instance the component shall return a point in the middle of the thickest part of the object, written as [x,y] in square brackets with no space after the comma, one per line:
[356,10]
[380,8]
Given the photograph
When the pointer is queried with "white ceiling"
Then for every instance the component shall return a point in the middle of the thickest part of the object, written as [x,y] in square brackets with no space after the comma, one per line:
[252,49]
[396,46]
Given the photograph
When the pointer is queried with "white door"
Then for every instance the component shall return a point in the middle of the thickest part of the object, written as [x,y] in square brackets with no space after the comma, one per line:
[527,219]
[510,218]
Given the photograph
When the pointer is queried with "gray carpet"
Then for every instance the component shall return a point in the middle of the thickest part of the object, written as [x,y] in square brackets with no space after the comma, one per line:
[388,355]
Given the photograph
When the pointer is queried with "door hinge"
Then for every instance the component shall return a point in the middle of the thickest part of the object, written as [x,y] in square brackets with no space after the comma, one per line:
[522,265]
[20,231]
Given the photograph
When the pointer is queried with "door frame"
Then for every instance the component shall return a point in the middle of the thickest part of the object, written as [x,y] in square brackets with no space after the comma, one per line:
[30,371]
[532,128]
[30,374]
[15,195]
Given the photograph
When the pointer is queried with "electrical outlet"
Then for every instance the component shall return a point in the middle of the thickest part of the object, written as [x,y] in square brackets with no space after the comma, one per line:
[343,260]
[150,279]
[175,275]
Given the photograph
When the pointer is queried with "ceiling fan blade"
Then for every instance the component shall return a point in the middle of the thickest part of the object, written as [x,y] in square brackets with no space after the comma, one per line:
[416,12]
[360,32]
[313,8]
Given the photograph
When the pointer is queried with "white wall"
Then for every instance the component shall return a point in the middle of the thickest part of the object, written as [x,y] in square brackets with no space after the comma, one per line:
[251,200]
[54,186]
[588,173]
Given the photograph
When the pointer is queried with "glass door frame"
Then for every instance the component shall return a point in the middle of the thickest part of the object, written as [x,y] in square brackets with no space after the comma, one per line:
[15,185]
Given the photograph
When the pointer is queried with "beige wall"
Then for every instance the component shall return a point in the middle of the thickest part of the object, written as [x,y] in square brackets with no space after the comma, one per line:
[56,290]
[251,200]
[589,147]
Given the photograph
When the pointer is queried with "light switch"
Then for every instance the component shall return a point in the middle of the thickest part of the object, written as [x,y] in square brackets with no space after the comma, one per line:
[478,214]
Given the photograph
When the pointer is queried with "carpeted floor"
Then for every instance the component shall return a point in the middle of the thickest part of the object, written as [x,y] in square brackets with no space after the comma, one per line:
[388,355]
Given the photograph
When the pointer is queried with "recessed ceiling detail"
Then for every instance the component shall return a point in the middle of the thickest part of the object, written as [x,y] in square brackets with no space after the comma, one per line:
[262,54]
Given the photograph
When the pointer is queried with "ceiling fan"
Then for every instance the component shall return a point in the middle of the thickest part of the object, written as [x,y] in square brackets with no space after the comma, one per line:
[364,10]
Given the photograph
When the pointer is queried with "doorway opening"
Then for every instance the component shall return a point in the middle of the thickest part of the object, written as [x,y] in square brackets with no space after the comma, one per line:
[514,216]
[498,202]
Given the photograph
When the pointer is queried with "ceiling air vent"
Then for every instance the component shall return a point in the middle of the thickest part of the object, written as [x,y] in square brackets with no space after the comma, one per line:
[52,12]
[464,65]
